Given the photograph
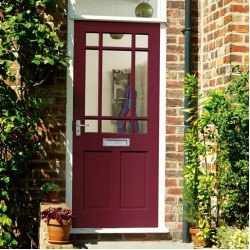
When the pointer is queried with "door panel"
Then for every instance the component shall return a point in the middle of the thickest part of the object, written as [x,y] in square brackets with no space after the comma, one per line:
[115,150]
[97,193]
[134,180]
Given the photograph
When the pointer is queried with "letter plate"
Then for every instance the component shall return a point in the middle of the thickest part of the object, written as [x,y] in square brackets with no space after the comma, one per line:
[116,142]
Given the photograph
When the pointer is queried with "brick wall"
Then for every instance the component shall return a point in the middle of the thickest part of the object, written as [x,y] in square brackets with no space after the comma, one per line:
[220,40]
[174,109]
[174,114]
[225,40]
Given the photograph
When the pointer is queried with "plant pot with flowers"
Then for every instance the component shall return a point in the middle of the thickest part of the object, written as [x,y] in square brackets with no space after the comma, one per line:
[51,192]
[59,223]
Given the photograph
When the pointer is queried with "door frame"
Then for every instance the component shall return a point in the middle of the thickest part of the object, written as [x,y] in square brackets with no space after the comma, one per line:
[162,125]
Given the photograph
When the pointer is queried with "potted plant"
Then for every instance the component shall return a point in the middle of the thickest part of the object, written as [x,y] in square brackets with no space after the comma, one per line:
[198,194]
[59,223]
[201,188]
[192,216]
[51,191]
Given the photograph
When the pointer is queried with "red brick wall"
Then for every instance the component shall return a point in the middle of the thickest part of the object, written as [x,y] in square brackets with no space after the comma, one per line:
[225,40]
[220,40]
[174,114]
[174,109]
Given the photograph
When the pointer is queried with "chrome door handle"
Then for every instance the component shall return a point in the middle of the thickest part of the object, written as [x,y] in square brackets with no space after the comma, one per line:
[78,127]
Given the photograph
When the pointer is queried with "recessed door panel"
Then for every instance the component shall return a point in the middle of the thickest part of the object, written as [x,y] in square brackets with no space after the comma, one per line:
[97,180]
[134,180]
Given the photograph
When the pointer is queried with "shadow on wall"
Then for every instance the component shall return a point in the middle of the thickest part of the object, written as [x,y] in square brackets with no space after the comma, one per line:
[47,166]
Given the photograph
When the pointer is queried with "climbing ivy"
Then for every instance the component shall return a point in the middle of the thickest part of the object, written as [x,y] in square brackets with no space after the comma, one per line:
[30,48]
[18,143]
[29,36]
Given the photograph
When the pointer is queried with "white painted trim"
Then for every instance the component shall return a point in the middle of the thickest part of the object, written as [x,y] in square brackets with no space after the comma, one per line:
[162,127]
[161,9]
[116,19]
[118,230]
[162,124]
[69,115]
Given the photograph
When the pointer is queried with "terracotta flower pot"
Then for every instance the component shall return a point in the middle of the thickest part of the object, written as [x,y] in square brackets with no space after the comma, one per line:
[198,241]
[59,231]
[52,196]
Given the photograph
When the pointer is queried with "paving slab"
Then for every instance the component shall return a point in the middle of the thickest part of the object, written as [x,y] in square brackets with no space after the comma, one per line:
[164,244]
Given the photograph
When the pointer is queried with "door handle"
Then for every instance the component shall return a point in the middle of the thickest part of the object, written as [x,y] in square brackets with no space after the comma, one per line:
[78,127]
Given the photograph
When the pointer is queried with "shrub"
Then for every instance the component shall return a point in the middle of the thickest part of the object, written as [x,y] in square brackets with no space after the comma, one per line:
[217,156]
[233,238]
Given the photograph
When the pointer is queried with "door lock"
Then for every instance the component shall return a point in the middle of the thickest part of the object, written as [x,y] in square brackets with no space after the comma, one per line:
[78,127]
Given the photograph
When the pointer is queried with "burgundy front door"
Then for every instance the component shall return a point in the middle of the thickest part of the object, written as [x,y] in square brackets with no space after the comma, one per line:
[116,120]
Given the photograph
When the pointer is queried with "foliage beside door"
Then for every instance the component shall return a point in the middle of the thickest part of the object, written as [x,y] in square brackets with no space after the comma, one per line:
[216,188]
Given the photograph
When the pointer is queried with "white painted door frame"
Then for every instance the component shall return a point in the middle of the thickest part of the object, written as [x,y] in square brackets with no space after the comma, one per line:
[162,123]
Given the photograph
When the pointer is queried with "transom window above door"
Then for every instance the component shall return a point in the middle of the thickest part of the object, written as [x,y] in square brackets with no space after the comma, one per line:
[136,10]
[125,8]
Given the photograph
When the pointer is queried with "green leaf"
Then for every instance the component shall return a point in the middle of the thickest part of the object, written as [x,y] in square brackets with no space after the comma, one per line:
[6,179]
[3,207]
[14,244]
[9,9]
[7,236]
[27,25]
[6,221]
[49,60]
[61,44]
[37,62]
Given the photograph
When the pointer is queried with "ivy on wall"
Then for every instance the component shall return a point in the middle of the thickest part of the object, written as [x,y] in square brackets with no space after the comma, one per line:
[29,50]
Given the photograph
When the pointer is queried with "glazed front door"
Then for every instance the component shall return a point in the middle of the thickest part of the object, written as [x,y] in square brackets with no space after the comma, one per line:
[116,120]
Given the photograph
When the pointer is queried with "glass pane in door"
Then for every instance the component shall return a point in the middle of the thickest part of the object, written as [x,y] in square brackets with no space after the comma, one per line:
[142,126]
[92,39]
[113,91]
[117,40]
[141,82]
[92,126]
[116,126]
[141,41]
[91,83]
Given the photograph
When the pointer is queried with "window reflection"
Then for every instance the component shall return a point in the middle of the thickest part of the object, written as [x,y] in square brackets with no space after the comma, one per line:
[114,126]
[141,82]
[112,60]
